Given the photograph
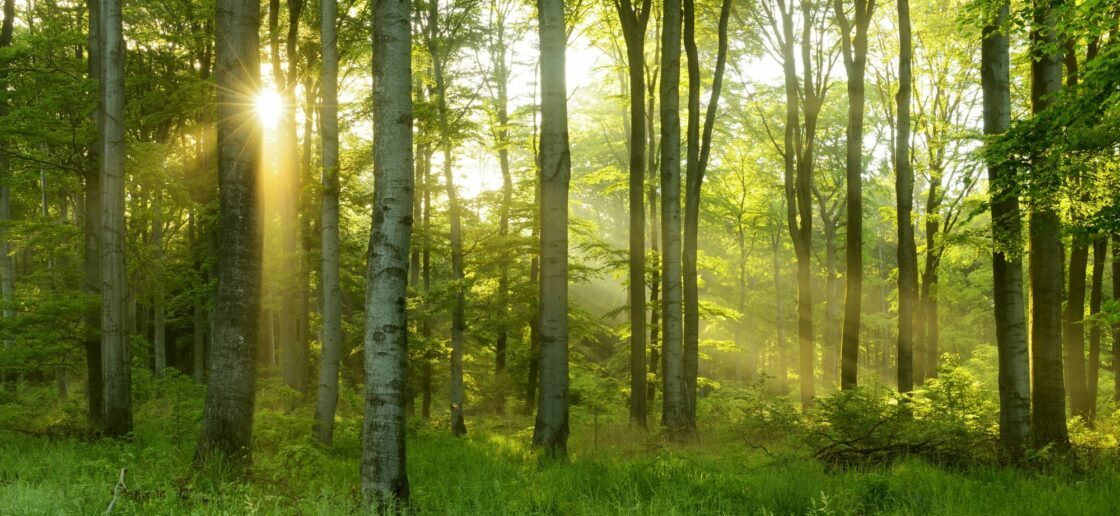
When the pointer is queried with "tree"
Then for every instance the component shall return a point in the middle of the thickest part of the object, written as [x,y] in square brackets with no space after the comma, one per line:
[1007,267]
[91,263]
[904,193]
[442,44]
[384,477]
[7,271]
[1047,256]
[805,97]
[332,292]
[854,48]
[1100,254]
[114,336]
[634,20]
[551,430]
[698,152]
[227,419]
[292,289]
[674,413]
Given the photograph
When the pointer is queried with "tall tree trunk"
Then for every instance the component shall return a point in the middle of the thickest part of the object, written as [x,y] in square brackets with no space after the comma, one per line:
[634,22]
[854,48]
[332,292]
[384,477]
[91,265]
[227,420]
[674,413]
[293,348]
[7,271]
[1074,348]
[904,195]
[551,430]
[114,288]
[458,316]
[699,150]
[1100,253]
[1047,257]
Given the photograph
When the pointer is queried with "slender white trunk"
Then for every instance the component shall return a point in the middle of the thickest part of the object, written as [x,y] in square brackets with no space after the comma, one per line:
[332,295]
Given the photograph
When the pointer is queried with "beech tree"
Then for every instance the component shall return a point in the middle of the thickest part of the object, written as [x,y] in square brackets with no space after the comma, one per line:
[1047,255]
[331,292]
[634,20]
[853,39]
[114,336]
[551,430]
[384,477]
[1007,266]
[227,420]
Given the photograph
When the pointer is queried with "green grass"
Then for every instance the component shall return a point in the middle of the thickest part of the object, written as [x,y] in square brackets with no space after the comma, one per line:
[612,470]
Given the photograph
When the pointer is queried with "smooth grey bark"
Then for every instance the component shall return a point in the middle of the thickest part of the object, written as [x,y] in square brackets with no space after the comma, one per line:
[91,261]
[904,195]
[332,292]
[674,412]
[550,433]
[1007,266]
[854,47]
[114,335]
[634,21]
[227,419]
[1047,255]
[384,477]
[7,271]
[698,151]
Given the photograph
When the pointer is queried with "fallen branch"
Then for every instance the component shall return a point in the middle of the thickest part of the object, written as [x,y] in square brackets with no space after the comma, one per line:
[116,492]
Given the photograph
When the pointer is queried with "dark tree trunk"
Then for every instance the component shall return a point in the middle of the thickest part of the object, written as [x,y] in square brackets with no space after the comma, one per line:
[699,150]
[1100,253]
[1047,257]
[854,48]
[634,21]
[904,192]
[95,387]
[227,420]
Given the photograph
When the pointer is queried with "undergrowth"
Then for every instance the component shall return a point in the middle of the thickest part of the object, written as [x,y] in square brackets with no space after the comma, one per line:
[754,456]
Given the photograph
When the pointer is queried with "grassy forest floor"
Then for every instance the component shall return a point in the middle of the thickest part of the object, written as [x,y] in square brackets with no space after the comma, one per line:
[49,466]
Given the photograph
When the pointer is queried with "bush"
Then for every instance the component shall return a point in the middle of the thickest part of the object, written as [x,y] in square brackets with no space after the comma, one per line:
[947,422]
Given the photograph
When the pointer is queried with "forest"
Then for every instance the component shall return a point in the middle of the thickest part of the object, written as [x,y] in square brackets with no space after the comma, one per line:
[560,257]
